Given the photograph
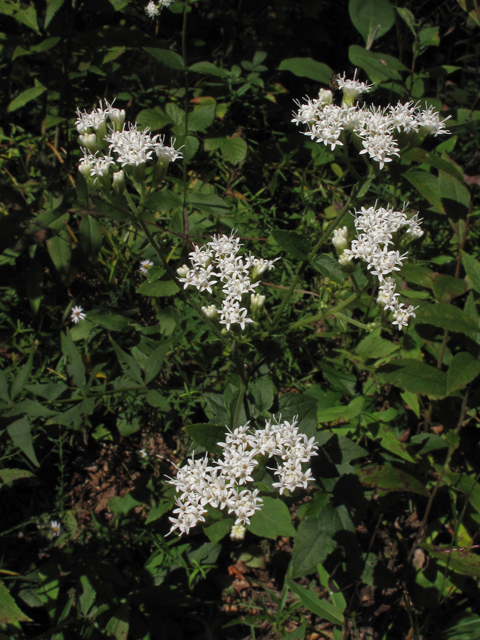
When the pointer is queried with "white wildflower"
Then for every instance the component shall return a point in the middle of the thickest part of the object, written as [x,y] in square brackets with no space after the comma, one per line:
[77,314]
[56,528]
[145,265]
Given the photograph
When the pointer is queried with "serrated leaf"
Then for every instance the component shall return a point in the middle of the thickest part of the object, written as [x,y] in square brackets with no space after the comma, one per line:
[163,201]
[386,478]
[9,612]
[155,399]
[201,117]
[170,58]
[272,520]
[118,624]
[329,268]
[22,377]
[415,376]
[468,565]
[8,476]
[155,362]
[445,316]
[25,97]
[21,434]
[307,68]
[427,185]
[294,243]
[462,370]
[153,118]
[207,436]
[52,7]
[155,273]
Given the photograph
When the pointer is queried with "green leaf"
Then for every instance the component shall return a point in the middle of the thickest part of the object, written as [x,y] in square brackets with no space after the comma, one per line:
[345,412]
[340,381]
[159,510]
[158,289]
[128,363]
[207,436]
[320,607]
[153,118]
[32,408]
[263,393]
[60,246]
[9,612]
[49,391]
[155,399]
[218,530]
[20,432]
[312,546]
[408,17]
[373,346]
[163,201]
[22,377]
[415,376]
[209,202]
[7,476]
[4,393]
[208,68]
[118,624]
[294,243]
[155,362]
[378,66]
[427,185]
[120,505]
[390,442]
[468,565]
[35,283]
[201,117]
[462,370]
[369,15]
[302,406]
[87,598]
[25,15]
[233,148]
[52,7]
[75,367]
[329,267]
[170,58]
[273,520]
[454,195]
[92,237]
[472,267]
[445,316]
[155,273]
[447,287]
[307,68]
[25,97]
[386,478]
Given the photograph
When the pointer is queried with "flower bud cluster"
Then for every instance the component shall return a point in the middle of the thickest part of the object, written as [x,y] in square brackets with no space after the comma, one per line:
[217,261]
[219,484]
[374,128]
[372,246]
[102,133]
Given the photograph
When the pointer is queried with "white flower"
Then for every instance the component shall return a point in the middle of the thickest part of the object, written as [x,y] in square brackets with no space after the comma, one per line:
[145,265]
[56,528]
[429,119]
[352,88]
[77,314]
[133,147]
[152,10]
[402,314]
[169,153]
[211,311]
[340,238]
[143,453]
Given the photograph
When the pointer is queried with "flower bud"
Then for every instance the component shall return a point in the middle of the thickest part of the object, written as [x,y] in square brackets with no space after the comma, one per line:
[340,239]
[237,532]
[90,141]
[117,116]
[118,182]
[257,302]
[183,271]
[211,311]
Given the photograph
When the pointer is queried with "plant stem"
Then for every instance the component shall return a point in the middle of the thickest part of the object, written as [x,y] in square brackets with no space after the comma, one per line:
[185,162]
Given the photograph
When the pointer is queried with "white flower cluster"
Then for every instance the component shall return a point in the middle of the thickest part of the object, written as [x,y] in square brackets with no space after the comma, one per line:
[217,261]
[102,132]
[153,10]
[218,485]
[373,127]
[372,246]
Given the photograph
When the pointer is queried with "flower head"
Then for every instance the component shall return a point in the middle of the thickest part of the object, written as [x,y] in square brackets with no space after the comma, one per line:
[77,314]
[56,528]
[145,265]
